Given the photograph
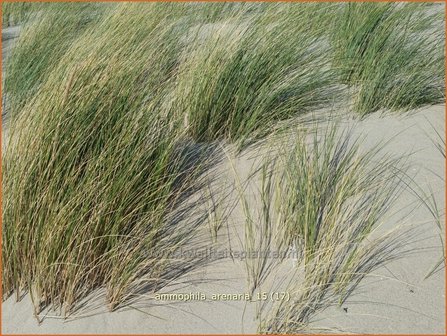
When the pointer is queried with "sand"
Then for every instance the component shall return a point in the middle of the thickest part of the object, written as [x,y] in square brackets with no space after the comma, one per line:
[395,299]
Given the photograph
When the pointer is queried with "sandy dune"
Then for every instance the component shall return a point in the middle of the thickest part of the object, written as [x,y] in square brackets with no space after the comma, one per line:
[395,299]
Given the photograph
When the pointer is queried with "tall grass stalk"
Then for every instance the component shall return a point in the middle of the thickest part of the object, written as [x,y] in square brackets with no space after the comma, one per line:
[259,225]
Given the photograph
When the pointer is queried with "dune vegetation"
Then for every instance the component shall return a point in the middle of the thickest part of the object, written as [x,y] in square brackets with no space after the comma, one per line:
[391,55]
[329,198]
[102,168]
[47,39]
[111,104]
[323,196]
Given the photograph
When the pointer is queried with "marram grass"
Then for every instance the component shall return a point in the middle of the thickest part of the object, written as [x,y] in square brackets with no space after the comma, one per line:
[391,54]
[14,13]
[43,41]
[244,67]
[241,76]
[105,99]
[330,197]
[94,171]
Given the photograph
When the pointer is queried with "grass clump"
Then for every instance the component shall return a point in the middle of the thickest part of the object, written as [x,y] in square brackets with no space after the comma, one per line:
[391,54]
[330,198]
[42,43]
[243,68]
[94,174]
[243,75]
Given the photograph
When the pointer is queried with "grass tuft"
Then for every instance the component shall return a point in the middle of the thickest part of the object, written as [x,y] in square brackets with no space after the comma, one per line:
[43,41]
[331,196]
[243,75]
[391,54]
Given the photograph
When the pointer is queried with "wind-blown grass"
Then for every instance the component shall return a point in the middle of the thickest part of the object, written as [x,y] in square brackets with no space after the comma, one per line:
[245,67]
[42,43]
[392,54]
[428,199]
[94,175]
[106,99]
[243,75]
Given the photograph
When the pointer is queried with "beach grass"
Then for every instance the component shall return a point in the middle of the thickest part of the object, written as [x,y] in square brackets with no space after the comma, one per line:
[242,68]
[108,100]
[95,174]
[243,75]
[43,41]
[330,198]
[15,13]
[391,54]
